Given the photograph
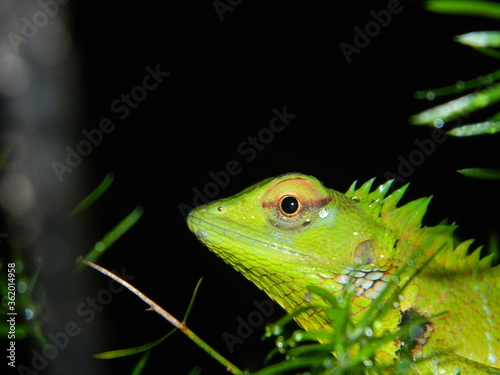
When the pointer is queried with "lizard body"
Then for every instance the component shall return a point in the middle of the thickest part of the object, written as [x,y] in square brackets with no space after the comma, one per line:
[288,232]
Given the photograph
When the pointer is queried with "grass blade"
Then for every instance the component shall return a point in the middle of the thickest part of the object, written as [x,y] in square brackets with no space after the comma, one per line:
[94,195]
[481,173]
[464,105]
[486,127]
[480,39]
[111,237]
[141,364]
[458,87]
[467,8]
[111,354]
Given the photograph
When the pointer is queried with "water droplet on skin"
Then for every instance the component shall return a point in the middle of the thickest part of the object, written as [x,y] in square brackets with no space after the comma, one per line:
[410,263]
[323,213]
[368,332]
[395,304]
[368,363]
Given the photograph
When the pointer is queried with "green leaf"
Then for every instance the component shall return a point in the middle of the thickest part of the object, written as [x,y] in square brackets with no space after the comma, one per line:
[480,39]
[130,351]
[191,302]
[141,364]
[468,8]
[195,371]
[494,247]
[459,86]
[276,329]
[112,236]
[94,195]
[283,367]
[486,127]
[495,117]
[462,106]
[481,173]
[490,52]
[142,348]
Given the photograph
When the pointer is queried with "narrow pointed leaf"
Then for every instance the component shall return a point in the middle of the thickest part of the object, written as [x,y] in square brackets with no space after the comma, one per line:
[464,105]
[459,86]
[467,8]
[480,39]
[142,348]
[486,127]
[139,367]
[481,173]
[94,195]
[111,237]
[130,351]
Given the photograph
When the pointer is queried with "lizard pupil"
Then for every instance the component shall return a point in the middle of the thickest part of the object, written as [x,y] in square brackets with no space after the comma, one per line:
[289,205]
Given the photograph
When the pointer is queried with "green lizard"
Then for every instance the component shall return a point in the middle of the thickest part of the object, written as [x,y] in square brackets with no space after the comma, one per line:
[289,232]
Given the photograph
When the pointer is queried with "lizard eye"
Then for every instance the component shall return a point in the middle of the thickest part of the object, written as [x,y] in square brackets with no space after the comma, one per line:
[289,205]
[294,203]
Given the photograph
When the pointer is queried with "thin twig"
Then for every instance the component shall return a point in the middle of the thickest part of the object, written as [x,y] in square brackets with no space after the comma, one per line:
[166,315]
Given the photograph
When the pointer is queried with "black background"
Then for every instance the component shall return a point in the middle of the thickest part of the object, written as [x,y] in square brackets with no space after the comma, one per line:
[225,78]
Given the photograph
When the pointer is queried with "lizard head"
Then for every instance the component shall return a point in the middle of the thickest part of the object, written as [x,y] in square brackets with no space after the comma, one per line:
[293,221]
[288,232]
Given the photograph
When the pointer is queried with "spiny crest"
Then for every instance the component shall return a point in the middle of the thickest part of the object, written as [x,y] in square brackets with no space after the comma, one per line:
[406,221]
[376,202]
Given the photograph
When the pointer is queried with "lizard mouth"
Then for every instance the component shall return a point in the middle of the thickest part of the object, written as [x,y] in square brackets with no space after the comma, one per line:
[218,232]
[236,247]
